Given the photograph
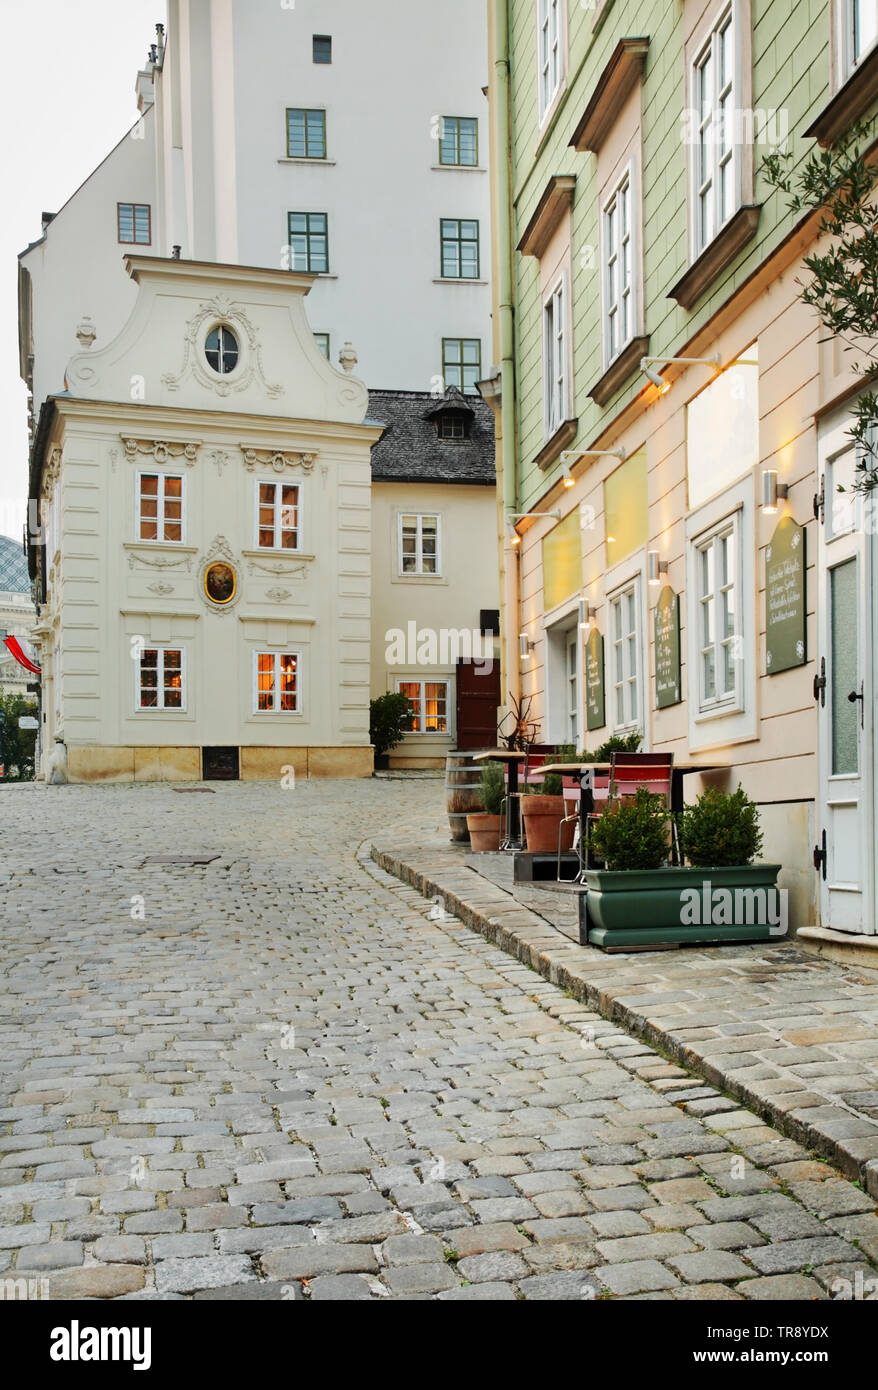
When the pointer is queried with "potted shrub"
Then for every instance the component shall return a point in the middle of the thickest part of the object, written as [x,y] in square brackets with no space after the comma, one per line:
[390,716]
[484,826]
[542,810]
[637,901]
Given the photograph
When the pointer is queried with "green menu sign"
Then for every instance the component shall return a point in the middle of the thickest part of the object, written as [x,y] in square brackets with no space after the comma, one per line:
[595,707]
[785,633]
[667,648]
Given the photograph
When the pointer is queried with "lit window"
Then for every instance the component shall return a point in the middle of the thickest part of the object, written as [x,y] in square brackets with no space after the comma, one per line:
[459,140]
[278,524]
[159,507]
[460,249]
[160,679]
[428,701]
[277,683]
[419,544]
[134,223]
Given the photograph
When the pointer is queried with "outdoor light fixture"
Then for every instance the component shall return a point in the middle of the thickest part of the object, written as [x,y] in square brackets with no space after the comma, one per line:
[567,476]
[659,381]
[525,646]
[656,567]
[586,614]
[592,453]
[771,491]
[512,535]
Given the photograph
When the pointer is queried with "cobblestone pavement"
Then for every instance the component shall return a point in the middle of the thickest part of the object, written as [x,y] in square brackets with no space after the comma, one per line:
[276,1075]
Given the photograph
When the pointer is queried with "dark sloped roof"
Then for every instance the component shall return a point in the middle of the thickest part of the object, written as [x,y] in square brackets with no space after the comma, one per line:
[410,449]
[13,567]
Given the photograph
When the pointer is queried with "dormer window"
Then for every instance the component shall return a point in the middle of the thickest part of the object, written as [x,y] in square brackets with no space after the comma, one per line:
[452,424]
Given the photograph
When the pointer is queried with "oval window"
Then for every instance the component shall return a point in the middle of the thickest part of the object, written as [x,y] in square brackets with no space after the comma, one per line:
[220,583]
[221,350]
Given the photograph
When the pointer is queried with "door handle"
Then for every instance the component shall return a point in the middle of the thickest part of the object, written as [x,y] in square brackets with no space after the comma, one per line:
[858,695]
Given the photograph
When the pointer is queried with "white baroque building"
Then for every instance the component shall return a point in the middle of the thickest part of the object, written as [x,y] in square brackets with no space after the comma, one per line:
[280,151]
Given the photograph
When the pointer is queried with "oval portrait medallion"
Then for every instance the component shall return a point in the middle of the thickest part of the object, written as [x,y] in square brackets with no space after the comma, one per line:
[220,583]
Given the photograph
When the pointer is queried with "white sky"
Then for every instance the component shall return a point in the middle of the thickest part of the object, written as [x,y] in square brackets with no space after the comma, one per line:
[67,97]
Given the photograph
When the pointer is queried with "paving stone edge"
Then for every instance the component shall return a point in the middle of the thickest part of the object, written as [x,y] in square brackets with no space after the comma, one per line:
[562,963]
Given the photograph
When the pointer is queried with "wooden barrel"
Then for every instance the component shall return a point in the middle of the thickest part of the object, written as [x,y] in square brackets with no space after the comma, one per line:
[462,790]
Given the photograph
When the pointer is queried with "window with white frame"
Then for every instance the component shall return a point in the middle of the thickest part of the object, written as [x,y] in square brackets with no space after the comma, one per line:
[551,51]
[428,701]
[419,548]
[860,25]
[718,595]
[625,660]
[555,358]
[278,516]
[715,157]
[160,679]
[276,682]
[618,269]
[160,507]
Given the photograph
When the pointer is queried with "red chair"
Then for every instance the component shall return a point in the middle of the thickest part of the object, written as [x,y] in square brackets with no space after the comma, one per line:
[654,771]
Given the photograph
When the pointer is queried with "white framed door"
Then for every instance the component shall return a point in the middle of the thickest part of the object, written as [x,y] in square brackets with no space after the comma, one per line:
[844,689]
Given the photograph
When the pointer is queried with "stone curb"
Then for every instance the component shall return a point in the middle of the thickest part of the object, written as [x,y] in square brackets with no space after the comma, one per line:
[519,932]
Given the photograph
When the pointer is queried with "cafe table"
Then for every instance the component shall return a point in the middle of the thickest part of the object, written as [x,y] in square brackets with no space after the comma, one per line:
[586,771]
[512,840]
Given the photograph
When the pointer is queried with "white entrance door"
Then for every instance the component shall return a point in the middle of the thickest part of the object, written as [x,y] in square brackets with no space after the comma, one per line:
[845,852]
[572,686]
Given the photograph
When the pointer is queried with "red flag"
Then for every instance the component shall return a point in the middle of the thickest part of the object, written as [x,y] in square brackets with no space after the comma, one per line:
[16,649]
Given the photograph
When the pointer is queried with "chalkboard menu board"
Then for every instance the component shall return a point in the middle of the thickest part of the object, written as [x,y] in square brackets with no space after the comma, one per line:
[785,639]
[595,709]
[667,648]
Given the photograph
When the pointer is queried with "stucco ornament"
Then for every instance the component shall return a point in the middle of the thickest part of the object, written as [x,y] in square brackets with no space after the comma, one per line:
[219,578]
[86,332]
[278,460]
[162,451]
[348,357]
[222,311]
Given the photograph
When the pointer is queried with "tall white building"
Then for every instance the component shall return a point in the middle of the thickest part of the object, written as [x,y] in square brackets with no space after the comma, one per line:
[336,139]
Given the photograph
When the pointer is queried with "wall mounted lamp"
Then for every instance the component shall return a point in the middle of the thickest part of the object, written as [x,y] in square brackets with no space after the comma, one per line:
[587,614]
[512,535]
[771,491]
[655,567]
[591,454]
[525,646]
[659,381]
[567,476]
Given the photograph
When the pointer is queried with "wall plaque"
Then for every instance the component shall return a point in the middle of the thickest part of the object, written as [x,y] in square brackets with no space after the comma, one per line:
[595,705]
[666,626]
[785,612]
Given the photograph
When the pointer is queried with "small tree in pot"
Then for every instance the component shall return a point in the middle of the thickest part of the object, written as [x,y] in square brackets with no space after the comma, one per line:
[484,826]
[721,828]
[390,716]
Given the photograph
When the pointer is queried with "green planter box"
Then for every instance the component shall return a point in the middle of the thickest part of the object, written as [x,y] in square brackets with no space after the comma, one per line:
[630,908]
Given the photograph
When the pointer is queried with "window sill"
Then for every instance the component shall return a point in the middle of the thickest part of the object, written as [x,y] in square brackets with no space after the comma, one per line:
[551,450]
[456,280]
[275,554]
[555,202]
[301,159]
[432,579]
[715,257]
[850,101]
[615,84]
[619,370]
[178,547]
[459,168]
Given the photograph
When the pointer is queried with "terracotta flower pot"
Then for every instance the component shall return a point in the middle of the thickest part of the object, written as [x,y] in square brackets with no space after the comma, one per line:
[484,832]
[542,817]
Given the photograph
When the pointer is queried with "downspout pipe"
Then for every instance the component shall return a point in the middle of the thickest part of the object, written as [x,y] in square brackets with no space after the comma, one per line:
[499,10]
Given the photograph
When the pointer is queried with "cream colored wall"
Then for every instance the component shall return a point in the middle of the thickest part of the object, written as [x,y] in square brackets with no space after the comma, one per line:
[777,767]
[107,589]
[468,583]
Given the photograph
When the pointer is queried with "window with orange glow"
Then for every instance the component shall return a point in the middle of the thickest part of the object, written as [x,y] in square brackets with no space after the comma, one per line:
[277,683]
[429,705]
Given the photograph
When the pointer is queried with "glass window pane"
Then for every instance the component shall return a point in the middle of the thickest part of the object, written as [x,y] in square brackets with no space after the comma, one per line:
[844,668]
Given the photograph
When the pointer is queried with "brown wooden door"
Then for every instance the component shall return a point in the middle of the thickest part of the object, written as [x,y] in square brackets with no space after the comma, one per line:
[478,695]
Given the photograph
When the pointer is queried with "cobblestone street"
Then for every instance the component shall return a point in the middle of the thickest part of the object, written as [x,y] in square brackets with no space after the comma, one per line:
[276,1075]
